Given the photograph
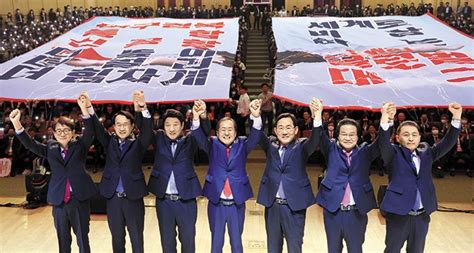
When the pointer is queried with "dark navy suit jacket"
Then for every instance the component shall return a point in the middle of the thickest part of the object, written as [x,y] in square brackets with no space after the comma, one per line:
[127,163]
[404,181]
[72,167]
[292,172]
[339,173]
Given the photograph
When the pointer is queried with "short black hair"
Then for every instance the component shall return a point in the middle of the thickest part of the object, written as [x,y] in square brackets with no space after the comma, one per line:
[126,114]
[243,87]
[172,113]
[408,123]
[264,84]
[347,122]
[286,115]
[63,120]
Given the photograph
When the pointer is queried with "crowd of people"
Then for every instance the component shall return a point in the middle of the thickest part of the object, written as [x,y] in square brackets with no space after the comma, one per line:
[22,34]
[38,117]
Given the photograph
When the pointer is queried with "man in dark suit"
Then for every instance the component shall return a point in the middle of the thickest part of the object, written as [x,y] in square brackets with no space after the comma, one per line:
[466,10]
[227,185]
[123,182]
[346,193]
[175,183]
[70,187]
[285,189]
[11,148]
[411,196]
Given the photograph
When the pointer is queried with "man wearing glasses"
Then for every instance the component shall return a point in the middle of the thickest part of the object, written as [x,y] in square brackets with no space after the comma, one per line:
[70,187]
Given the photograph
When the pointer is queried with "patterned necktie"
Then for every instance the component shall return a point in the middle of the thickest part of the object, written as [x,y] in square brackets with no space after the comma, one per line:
[174,144]
[346,200]
[282,153]
[417,204]
[67,192]
[227,190]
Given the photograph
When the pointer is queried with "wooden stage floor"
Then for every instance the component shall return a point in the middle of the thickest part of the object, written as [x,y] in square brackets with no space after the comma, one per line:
[23,230]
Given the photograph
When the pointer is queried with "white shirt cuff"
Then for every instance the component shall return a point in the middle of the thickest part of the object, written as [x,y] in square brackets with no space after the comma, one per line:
[257,122]
[20,131]
[456,123]
[196,124]
[146,114]
[91,112]
[385,126]
[317,123]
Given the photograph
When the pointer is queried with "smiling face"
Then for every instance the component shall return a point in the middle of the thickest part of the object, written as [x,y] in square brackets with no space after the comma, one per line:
[63,134]
[123,127]
[285,130]
[226,131]
[173,128]
[347,137]
[409,137]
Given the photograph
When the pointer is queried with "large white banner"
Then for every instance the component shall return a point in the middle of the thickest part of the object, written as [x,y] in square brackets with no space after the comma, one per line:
[110,57]
[363,62]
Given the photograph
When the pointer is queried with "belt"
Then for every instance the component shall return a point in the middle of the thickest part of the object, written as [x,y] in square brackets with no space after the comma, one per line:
[348,208]
[417,212]
[281,201]
[121,194]
[173,197]
[227,202]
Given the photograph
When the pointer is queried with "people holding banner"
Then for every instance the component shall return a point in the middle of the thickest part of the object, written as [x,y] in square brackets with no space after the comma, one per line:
[227,185]
[123,182]
[174,181]
[411,196]
[285,188]
[346,193]
[70,187]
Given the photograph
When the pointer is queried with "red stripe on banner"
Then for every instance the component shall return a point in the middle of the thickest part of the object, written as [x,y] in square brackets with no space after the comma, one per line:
[197,3]
[362,108]
[187,3]
[160,3]
[461,69]
[112,101]
[461,79]
[444,23]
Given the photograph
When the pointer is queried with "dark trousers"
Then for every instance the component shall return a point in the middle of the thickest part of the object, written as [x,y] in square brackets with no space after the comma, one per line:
[349,226]
[181,214]
[256,22]
[281,222]
[75,215]
[121,213]
[219,215]
[401,228]
[267,120]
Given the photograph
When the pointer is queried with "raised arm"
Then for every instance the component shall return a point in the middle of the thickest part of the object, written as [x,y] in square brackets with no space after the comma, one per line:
[196,130]
[85,104]
[386,149]
[312,143]
[146,127]
[255,132]
[450,139]
[35,147]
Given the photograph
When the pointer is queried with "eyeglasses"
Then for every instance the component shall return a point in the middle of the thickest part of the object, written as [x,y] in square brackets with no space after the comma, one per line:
[65,131]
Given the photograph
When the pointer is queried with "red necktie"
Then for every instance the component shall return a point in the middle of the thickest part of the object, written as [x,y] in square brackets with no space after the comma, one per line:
[346,200]
[67,192]
[227,190]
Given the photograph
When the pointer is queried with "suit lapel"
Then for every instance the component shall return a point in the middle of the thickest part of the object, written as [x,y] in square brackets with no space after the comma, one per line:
[180,144]
[233,151]
[127,145]
[407,156]
[70,150]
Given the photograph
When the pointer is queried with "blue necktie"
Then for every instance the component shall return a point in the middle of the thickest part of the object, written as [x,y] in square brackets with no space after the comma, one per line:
[280,191]
[417,204]
[120,183]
